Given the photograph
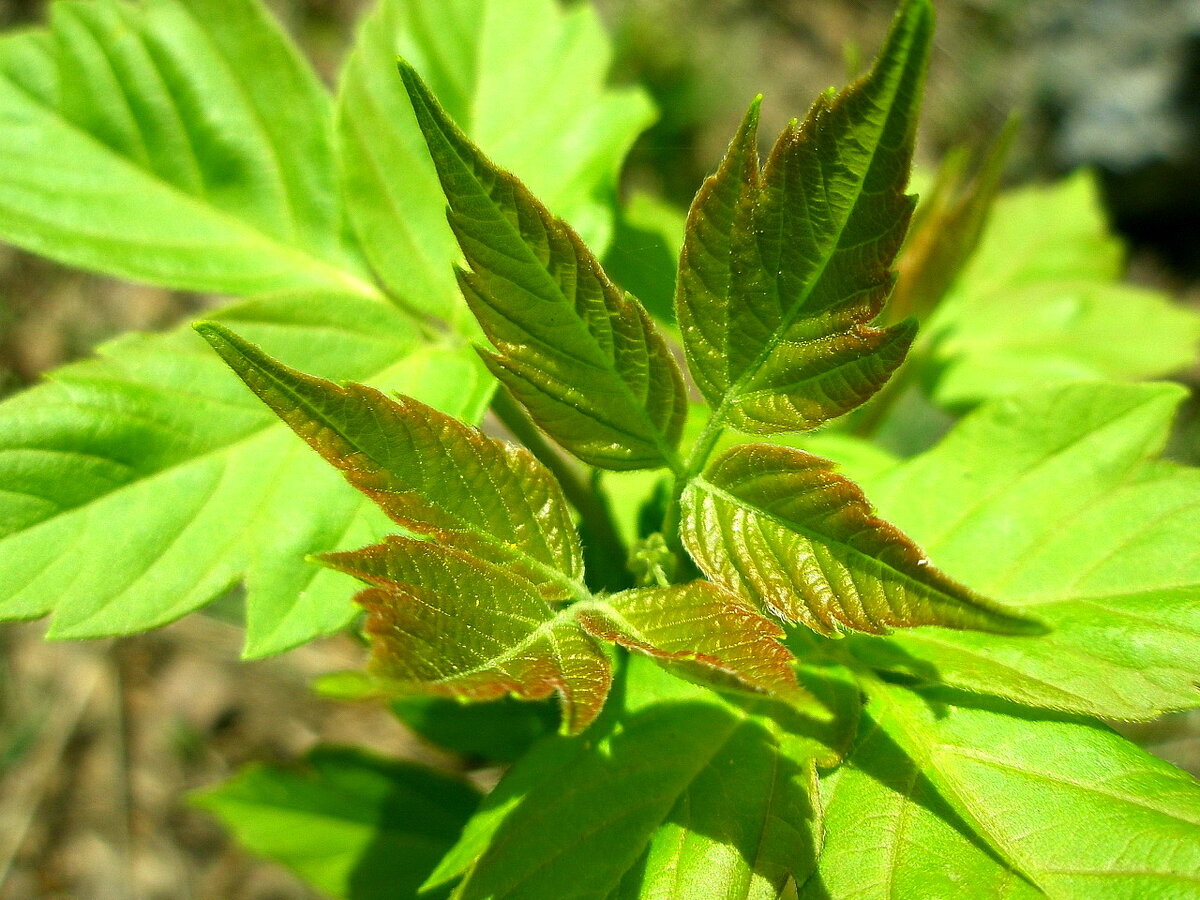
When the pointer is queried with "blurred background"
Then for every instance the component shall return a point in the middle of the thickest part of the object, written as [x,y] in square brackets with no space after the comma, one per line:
[99,741]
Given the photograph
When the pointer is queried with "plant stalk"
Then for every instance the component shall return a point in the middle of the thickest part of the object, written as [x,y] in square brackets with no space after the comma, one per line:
[697,459]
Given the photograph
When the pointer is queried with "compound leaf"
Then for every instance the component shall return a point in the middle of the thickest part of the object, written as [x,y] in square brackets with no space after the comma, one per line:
[354,826]
[1076,522]
[1018,780]
[140,485]
[525,79]
[427,471]
[491,504]
[182,142]
[444,622]
[784,267]
[708,632]
[582,356]
[779,526]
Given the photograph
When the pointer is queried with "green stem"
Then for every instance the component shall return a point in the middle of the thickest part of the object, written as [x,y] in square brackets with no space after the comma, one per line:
[590,503]
[696,461]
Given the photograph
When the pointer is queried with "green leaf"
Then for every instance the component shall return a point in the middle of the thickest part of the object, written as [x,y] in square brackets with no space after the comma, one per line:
[525,79]
[501,731]
[779,526]
[701,630]
[679,783]
[1041,304]
[1075,522]
[784,267]
[1026,785]
[182,142]
[428,472]
[354,826]
[140,485]
[444,622]
[582,356]
[889,834]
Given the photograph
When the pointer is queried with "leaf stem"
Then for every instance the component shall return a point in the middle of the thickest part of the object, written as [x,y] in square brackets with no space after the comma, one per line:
[696,461]
[591,504]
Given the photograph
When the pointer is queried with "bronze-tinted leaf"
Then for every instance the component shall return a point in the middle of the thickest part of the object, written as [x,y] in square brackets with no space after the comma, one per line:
[715,634]
[779,526]
[444,622]
[785,266]
[579,353]
[428,471]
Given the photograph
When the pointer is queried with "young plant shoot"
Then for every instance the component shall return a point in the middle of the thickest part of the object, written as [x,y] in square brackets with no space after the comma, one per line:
[766,688]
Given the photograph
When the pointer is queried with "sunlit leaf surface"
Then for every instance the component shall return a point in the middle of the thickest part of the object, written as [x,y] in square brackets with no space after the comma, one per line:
[1043,303]
[581,355]
[444,622]
[182,142]
[1076,522]
[1073,807]
[785,266]
[426,470]
[780,527]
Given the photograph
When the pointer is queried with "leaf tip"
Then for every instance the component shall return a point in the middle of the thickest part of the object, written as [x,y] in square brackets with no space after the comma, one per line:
[408,74]
[210,331]
[229,346]
[755,109]
[1021,625]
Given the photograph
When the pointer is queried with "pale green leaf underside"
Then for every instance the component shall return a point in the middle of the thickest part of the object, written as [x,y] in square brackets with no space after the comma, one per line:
[714,791]
[525,79]
[140,485]
[430,473]
[1076,523]
[1041,304]
[582,356]
[784,268]
[780,527]
[1075,808]
[182,142]
[353,826]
